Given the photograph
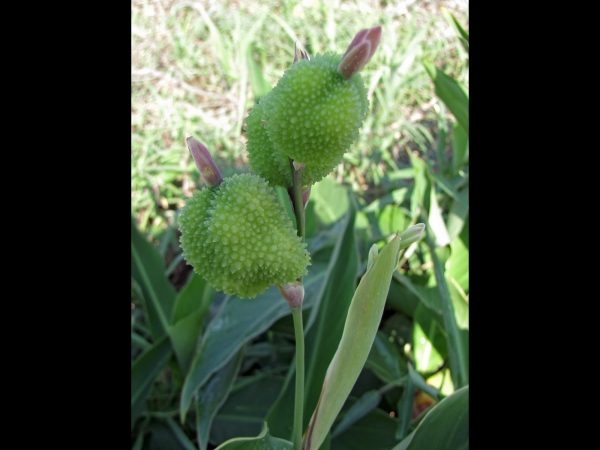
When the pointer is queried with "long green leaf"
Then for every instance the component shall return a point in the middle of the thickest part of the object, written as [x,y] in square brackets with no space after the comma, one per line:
[196,295]
[144,371]
[445,185]
[244,412]
[458,213]
[365,404]
[191,306]
[260,86]
[264,441]
[451,93]
[429,341]
[212,395]
[375,431]
[446,426]
[165,433]
[458,263]
[441,141]
[460,31]
[360,328]
[403,445]
[224,52]
[181,437]
[139,341]
[458,356]
[424,197]
[420,383]
[461,315]
[463,33]
[428,296]
[397,196]
[405,407]
[460,146]
[147,269]
[237,322]
[139,440]
[436,222]
[331,201]
[459,303]
[421,192]
[391,220]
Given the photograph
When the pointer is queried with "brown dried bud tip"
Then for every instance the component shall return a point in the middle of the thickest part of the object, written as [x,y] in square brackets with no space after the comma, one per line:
[299,54]
[298,166]
[204,162]
[360,51]
[293,293]
[306,195]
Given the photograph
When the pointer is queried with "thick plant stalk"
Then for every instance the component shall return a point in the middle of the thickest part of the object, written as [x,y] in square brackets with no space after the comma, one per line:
[294,294]
[299,396]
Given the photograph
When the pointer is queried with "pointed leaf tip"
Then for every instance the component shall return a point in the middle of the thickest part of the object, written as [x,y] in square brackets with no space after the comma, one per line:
[411,234]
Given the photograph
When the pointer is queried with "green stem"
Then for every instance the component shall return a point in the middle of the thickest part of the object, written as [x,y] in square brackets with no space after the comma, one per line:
[297,315]
[297,200]
[299,399]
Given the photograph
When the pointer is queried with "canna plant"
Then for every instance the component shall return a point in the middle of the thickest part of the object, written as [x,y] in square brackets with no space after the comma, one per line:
[209,367]
[239,238]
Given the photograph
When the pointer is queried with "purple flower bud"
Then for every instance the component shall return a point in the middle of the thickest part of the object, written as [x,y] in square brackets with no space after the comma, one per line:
[204,162]
[360,51]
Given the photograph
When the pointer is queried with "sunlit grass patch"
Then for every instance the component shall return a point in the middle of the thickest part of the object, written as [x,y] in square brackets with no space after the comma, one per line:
[195,67]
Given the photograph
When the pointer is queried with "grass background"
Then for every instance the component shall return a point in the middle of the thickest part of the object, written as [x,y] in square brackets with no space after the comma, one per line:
[199,66]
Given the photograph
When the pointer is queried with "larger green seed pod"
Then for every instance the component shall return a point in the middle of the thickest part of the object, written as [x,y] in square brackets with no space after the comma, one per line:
[239,238]
[314,113]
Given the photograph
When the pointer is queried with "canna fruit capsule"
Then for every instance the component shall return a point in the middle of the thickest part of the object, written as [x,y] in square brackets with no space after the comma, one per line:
[314,113]
[239,238]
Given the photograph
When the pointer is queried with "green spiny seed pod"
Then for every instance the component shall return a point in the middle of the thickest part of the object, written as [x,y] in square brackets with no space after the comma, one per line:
[265,160]
[239,238]
[268,162]
[314,113]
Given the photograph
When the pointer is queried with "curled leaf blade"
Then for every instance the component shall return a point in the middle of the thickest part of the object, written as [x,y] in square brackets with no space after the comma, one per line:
[362,322]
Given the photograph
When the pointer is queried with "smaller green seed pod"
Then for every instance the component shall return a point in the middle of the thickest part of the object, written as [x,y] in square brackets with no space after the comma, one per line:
[265,160]
[268,162]
[239,238]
